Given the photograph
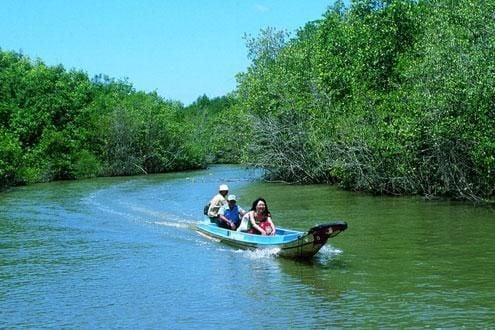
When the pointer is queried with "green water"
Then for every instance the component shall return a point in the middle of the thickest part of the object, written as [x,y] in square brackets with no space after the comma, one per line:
[123,253]
[405,262]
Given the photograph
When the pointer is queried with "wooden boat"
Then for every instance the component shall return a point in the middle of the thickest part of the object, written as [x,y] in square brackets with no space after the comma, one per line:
[290,243]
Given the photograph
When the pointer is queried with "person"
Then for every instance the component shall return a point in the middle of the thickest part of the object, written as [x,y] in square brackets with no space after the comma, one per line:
[217,202]
[260,218]
[230,214]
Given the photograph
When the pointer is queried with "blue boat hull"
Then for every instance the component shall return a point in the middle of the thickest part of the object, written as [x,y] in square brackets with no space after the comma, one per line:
[290,243]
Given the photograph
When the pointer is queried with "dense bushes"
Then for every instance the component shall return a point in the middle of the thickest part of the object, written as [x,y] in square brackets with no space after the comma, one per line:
[57,124]
[389,97]
[384,96]
[221,128]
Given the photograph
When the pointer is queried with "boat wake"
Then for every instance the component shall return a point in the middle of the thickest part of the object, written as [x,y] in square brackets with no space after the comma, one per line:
[165,218]
[260,253]
[174,224]
[328,252]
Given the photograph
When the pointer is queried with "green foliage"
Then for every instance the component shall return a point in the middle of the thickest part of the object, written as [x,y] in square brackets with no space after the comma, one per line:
[384,96]
[11,152]
[86,165]
[58,125]
[57,149]
[388,97]
[220,126]
[451,92]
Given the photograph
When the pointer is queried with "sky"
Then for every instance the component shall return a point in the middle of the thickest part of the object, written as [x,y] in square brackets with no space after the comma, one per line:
[182,49]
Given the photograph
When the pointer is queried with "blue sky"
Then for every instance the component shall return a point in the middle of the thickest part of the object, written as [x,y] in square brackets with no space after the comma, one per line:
[181,49]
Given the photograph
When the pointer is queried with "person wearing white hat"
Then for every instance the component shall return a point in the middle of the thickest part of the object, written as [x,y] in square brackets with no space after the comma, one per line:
[217,201]
[230,214]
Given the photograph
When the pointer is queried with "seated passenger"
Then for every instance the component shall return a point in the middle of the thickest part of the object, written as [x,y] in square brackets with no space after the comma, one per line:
[230,215]
[217,202]
[260,218]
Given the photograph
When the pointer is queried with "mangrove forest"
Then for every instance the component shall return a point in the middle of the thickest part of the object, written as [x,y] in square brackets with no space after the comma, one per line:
[391,97]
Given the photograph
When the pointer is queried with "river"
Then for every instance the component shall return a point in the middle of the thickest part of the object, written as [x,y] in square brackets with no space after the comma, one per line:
[123,253]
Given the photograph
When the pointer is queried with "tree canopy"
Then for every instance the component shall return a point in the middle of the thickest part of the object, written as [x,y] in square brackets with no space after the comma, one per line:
[57,124]
[384,96]
[390,97]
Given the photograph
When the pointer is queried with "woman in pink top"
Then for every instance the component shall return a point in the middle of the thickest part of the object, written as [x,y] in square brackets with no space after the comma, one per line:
[260,218]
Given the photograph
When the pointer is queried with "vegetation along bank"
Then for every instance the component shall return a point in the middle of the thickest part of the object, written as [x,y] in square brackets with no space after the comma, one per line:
[388,97]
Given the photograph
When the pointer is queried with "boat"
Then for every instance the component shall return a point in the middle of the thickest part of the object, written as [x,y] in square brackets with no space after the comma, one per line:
[288,243]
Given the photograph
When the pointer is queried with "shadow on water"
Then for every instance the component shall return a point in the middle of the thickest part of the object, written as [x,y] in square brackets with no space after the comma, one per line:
[320,274]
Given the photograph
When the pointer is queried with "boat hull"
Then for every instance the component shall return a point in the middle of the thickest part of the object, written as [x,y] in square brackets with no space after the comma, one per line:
[289,243]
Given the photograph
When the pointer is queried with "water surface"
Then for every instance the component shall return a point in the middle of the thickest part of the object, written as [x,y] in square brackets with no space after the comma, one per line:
[123,253]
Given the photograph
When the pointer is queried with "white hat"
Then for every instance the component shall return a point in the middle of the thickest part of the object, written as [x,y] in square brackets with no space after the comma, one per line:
[223,187]
[231,198]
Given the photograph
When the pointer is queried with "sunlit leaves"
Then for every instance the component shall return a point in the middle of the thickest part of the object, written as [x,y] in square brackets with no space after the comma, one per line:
[59,124]
[390,97]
